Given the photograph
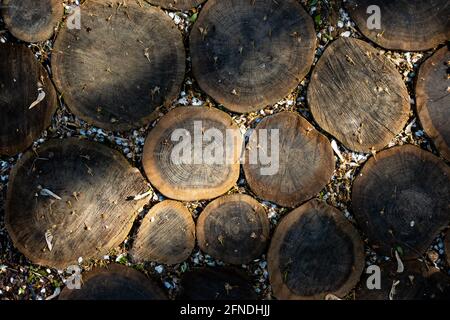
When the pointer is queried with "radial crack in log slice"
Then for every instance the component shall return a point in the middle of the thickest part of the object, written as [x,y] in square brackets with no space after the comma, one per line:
[166,235]
[193,153]
[410,25]
[401,200]
[314,252]
[216,284]
[234,229]
[177,4]
[358,96]
[89,214]
[433,99]
[31,20]
[249,54]
[114,282]
[301,160]
[22,80]
[121,66]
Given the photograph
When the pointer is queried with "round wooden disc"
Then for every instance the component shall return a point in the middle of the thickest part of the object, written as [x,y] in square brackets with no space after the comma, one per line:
[21,77]
[89,213]
[177,4]
[305,165]
[233,229]
[401,200]
[315,251]
[193,179]
[216,284]
[433,99]
[410,25]
[166,235]
[31,20]
[124,63]
[358,96]
[115,282]
[249,54]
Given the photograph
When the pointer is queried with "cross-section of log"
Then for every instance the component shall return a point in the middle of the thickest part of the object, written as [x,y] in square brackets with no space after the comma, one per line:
[114,282]
[234,229]
[287,161]
[27,99]
[249,54]
[31,20]
[433,99]
[166,235]
[177,4]
[314,252]
[71,199]
[193,154]
[411,25]
[358,96]
[124,63]
[401,200]
[216,284]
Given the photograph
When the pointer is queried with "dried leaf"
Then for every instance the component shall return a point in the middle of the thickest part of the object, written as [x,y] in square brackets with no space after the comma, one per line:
[400,266]
[392,292]
[40,97]
[48,193]
[49,239]
[337,151]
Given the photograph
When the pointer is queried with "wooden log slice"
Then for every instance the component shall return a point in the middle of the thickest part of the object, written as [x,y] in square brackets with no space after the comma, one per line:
[315,251]
[298,170]
[216,284]
[124,63]
[358,96]
[249,54]
[166,235]
[177,4]
[23,81]
[69,200]
[233,229]
[410,25]
[31,20]
[401,200]
[433,99]
[183,159]
[115,282]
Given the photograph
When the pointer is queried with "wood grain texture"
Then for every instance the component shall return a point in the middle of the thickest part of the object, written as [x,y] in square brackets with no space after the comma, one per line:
[31,20]
[249,54]
[93,215]
[124,63]
[191,181]
[315,251]
[410,25]
[234,229]
[306,160]
[114,282]
[177,4]
[216,284]
[401,199]
[166,235]
[433,99]
[21,76]
[358,96]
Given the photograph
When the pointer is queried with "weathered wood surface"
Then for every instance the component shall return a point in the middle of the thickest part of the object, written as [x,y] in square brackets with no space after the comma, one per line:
[70,200]
[124,63]
[115,282]
[166,235]
[433,99]
[31,20]
[22,81]
[249,54]
[358,96]
[234,229]
[306,160]
[401,200]
[177,4]
[216,284]
[196,178]
[314,252]
[410,25]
